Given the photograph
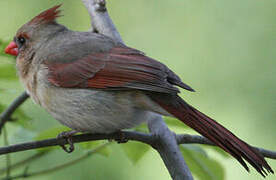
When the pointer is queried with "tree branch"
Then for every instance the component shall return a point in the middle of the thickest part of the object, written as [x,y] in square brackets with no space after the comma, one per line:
[162,139]
[137,136]
[6,115]
[166,145]
[149,139]
[195,139]
[100,20]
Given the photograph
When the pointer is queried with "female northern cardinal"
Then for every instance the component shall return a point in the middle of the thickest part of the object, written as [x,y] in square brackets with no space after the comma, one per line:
[90,83]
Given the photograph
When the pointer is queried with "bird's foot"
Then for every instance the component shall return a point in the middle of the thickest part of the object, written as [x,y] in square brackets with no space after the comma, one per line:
[121,137]
[67,135]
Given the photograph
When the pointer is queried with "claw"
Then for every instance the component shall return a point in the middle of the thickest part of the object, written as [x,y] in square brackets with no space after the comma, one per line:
[68,136]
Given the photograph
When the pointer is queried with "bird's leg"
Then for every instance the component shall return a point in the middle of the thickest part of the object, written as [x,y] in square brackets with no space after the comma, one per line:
[121,137]
[68,136]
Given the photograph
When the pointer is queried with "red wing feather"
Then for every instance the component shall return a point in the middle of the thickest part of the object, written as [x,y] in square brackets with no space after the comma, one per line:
[121,67]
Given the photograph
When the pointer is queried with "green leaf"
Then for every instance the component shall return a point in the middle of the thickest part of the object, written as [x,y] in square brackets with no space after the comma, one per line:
[196,149]
[94,144]
[22,135]
[219,150]
[51,133]
[173,122]
[200,164]
[18,117]
[2,107]
[135,150]
[8,72]
[142,128]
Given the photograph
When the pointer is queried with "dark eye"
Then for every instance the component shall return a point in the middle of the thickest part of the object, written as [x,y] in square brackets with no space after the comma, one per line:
[21,41]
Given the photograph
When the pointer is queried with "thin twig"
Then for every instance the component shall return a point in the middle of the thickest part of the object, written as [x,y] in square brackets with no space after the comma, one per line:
[128,135]
[137,136]
[266,153]
[192,139]
[25,161]
[6,115]
[8,158]
[196,139]
[59,167]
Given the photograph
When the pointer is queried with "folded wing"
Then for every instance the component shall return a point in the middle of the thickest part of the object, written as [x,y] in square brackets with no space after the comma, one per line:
[119,68]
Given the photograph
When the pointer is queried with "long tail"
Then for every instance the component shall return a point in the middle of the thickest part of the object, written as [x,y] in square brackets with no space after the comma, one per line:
[214,132]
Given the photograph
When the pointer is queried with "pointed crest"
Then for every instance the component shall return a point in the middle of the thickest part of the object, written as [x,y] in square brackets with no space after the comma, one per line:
[47,16]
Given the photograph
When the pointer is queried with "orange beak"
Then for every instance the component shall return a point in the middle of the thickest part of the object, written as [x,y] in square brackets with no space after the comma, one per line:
[12,49]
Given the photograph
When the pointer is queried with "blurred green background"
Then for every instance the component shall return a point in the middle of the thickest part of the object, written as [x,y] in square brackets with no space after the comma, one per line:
[224,49]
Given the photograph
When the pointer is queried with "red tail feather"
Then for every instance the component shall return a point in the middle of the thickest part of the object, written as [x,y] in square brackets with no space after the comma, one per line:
[214,132]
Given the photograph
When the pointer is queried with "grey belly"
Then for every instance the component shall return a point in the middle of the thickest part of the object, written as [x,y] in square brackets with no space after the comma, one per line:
[92,110]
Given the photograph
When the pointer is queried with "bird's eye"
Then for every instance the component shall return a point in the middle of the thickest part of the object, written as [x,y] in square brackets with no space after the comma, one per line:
[21,41]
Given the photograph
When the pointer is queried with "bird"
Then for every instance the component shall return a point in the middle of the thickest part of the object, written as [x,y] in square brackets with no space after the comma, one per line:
[92,83]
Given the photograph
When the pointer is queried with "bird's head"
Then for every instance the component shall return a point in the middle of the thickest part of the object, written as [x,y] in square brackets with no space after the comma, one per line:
[34,33]
[33,36]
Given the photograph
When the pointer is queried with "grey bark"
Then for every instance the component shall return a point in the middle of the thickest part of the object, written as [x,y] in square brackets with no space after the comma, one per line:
[166,144]
[100,20]
[6,115]
[150,139]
